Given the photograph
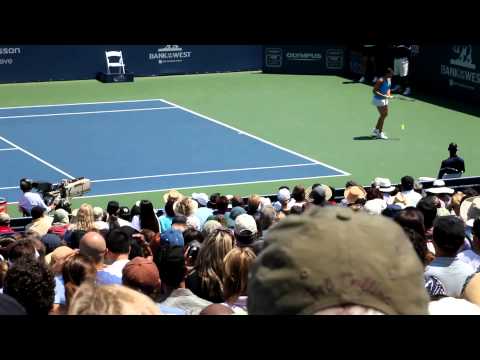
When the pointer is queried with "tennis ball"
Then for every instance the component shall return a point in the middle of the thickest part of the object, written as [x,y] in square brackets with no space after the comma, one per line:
[402,126]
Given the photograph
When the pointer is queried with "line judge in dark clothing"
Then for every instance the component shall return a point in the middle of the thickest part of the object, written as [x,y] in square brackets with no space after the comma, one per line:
[454,164]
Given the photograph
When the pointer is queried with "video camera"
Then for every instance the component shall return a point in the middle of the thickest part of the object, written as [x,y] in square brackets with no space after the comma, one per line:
[61,194]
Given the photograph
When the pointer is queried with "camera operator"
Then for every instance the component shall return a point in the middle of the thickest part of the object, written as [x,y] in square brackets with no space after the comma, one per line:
[30,199]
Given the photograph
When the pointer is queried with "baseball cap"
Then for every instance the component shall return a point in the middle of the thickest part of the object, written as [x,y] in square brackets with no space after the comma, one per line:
[60,216]
[283,194]
[201,198]
[244,223]
[338,257]
[141,273]
[51,242]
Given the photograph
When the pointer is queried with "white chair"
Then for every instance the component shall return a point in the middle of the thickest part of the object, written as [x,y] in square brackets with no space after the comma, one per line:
[115,60]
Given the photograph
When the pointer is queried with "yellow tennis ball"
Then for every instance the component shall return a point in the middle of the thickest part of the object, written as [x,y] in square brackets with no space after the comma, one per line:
[402,126]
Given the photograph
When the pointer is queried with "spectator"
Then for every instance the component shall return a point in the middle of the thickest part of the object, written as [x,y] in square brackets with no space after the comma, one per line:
[209,227]
[232,215]
[284,201]
[355,197]
[147,218]
[205,279]
[245,230]
[267,218]
[453,165]
[5,229]
[166,219]
[31,283]
[40,221]
[55,261]
[320,195]
[10,306]
[448,238]
[180,223]
[385,187]
[91,299]
[288,278]
[51,242]
[412,197]
[174,293]
[99,218]
[113,218]
[142,275]
[428,206]
[237,200]
[203,212]
[188,207]
[60,223]
[124,214]
[298,194]
[237,264]
[30,199]
[222,206]
[212,204]
[470,210]
[84,222]
[456,202]
[21,249]
[77,269]
[472,256]
[93,245]
[116,256]
[253,204]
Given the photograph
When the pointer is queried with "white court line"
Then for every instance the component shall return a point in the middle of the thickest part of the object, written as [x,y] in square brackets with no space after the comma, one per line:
[84,103]
[202,172]
[8,149]
[36,157]
[206,186]
[86,112]
[255,137]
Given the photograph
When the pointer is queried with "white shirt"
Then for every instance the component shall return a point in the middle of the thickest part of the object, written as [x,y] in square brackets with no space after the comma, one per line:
[452,306]
[116,268]
[412,197]
[30,199]
[470,257]
[451,272]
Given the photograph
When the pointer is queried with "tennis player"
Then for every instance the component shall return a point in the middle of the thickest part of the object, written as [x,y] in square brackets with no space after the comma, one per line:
[381,94]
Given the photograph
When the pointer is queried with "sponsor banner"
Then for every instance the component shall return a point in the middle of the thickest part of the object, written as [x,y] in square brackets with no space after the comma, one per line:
[63,62]
[453,70]
[324,59]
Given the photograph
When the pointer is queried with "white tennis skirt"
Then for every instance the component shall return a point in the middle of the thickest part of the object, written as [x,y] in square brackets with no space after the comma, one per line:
[400,67]
[379,102]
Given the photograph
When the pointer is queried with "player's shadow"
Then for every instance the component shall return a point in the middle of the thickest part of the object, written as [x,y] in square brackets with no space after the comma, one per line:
[373,138]
[351,82]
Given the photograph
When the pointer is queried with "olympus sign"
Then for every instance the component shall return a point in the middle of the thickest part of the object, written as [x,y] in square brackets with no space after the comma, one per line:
[303,56]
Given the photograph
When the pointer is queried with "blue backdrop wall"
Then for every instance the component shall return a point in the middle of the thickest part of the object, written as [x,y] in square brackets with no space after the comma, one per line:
[24,63]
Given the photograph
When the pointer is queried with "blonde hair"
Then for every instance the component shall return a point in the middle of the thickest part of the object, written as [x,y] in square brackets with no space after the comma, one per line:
[185,206]
[85,220]
[91,299]
[237,264]
[209,264]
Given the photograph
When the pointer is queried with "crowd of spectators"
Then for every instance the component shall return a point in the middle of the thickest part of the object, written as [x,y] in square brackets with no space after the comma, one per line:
[382,249]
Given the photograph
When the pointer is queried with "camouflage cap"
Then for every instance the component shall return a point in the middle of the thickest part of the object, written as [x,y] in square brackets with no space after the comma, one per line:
[334,256]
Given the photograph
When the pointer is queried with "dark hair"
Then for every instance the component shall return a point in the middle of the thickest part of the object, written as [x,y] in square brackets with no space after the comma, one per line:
[452,147]
[388,70]
[124,213]
[476,227]
[135,210]
[21,249]
[169,208]
[75,271]
[172,266]
[284,187]
[148,219]
[298,193]
[222,204]
[469,192]
[190,234]
[374,193]
[213,200]
[237,200]
[419,243]
[113,207]
[118,242]
[37,212]
[5,243]
[411,218]
[113,222]
[135,248]
[449,234]
[407,183]
[25,185]
[348,184]
[32,284]
[428,207]
[296,210]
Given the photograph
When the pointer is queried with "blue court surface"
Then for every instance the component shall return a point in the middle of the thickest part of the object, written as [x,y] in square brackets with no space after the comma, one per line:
[138,146]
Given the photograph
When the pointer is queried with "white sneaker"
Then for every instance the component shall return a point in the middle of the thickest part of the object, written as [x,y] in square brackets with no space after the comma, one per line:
[407,91]
[375,132]
[396,88]
[362,79]
[383,136]
[374,79]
